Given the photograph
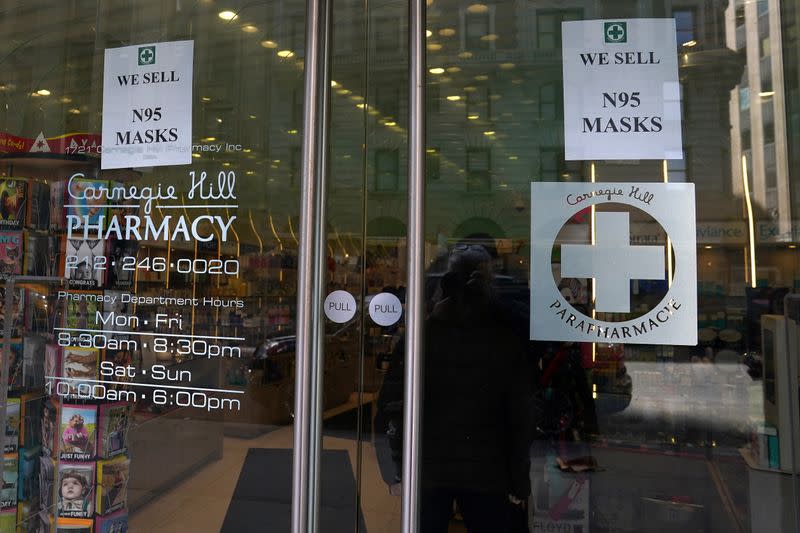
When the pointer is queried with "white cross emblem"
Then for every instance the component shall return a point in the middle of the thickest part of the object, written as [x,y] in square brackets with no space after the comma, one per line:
[612,262]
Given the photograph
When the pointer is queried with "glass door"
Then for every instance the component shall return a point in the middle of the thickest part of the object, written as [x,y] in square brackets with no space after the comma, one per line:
[610,342]
[151,178]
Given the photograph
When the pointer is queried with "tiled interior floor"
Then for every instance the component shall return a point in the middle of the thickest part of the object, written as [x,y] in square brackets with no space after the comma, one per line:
[198,504]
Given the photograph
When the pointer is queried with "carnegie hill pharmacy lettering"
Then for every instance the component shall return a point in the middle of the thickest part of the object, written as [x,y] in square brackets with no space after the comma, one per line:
[621,91]
[147,105]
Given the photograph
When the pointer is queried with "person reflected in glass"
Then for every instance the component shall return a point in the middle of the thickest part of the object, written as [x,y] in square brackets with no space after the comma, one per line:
[476,425]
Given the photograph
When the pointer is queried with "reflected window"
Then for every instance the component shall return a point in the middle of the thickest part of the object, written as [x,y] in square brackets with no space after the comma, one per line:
[387,35]
[678,169]
[432,163]
[387,169]
[550,107]
[387,101]
[684,25]
[479,105]
[479,169]
[294,166]
[551,164]
[548,26]
[478,28]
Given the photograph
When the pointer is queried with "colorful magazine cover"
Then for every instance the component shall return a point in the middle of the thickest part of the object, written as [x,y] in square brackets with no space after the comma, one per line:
[8,494]
[10,253]
[113,523]
[76,490]
[114,421]
[118,276]
[112,484]
[58,192]
[79,364]
[12,425]
[12,203]
[78,432]
[38,205]
[85,210]
[82,261]
[28,473]
[82,313]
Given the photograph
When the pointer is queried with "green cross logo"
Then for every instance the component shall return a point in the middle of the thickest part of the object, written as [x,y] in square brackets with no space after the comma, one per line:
[147,55]
[615,32]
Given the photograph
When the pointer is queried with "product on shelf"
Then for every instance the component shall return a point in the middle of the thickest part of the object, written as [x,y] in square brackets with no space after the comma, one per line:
[112,484]
[12,203]
[75,489]
[78,432]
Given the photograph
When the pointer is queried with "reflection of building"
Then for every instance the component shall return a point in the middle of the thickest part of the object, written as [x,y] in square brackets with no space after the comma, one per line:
[758,109]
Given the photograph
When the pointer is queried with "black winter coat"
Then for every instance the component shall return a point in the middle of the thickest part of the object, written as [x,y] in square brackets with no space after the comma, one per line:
[476,426]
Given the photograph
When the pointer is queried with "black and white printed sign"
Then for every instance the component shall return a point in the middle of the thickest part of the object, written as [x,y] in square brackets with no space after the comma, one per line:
[612,261]
[147,105]
[621,90]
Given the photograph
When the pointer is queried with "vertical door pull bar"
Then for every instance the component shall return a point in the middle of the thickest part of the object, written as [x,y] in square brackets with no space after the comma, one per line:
[412,404]
[311,272]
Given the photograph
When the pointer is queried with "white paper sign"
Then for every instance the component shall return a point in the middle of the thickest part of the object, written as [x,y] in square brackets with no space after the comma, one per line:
[621,90]
[147,105]
[612,261]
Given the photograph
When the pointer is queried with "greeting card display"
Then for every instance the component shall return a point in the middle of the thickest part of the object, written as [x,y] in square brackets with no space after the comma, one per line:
[12,425]
[15,364]
[114,421]
[28,473]
[81,260]
[82,311]
[75,490]
[36,247]
[78,432]
[19,300]
[38,205]
[32,361]
[113,523]
[8,493]
[82,211]
[112,484]
[12,203]
[121,359]
[50,419]
[10,253]
[120,277]
[58,190]
[32,407]
[79,364]
[47,485]
[55,255]
[74,525]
